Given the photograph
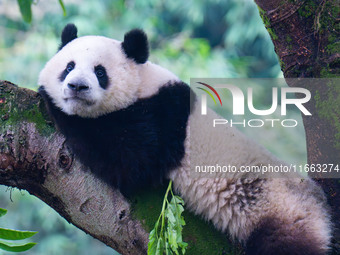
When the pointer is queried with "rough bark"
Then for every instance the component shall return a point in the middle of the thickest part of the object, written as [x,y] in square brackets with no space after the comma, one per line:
[34,157]
[306,39]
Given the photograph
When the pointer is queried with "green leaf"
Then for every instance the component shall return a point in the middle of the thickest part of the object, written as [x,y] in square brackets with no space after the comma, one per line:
[62,7]
[184,246]
[26,10]
[9,234]
[169,214]
[172,237]
[2,212]
[152,242]
[167,248]
[166,237]
[160,247]
[176,224]
[16,248]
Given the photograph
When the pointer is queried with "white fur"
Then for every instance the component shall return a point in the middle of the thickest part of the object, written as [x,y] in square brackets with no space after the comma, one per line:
[128,81]
[222,198]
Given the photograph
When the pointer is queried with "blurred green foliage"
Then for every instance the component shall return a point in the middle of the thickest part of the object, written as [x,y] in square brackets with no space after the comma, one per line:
[193,38]
[14,235]
[56,236]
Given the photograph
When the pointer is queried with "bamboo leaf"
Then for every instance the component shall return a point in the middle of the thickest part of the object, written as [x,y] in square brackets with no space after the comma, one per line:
[62,7]
[2,212]
[26,10]
[9,234]
[16,248]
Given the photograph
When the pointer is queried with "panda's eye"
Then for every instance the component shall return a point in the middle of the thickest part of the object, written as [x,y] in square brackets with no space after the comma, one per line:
[70,67]
[100,73]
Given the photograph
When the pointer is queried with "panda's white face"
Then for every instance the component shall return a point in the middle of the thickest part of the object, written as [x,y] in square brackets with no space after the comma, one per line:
[91,76]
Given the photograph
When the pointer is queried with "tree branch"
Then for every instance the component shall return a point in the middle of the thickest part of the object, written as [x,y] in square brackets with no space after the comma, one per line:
[34,157]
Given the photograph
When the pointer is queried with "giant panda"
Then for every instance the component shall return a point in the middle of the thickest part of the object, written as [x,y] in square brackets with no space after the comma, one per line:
[134,124]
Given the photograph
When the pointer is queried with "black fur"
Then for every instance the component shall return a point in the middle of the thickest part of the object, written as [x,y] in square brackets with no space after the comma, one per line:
[134,147]
[276,237]
[69,33]
[66,71]
[102,77]
[136,46]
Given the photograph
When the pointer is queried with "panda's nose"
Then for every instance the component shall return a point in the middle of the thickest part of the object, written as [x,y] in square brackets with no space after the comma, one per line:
[77,87]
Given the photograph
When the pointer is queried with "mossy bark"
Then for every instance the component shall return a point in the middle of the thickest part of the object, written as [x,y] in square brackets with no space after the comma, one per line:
[306,39]
[34,157]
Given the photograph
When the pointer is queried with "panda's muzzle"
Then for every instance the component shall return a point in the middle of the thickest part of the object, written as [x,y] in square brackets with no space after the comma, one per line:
[78,92]
[77,87]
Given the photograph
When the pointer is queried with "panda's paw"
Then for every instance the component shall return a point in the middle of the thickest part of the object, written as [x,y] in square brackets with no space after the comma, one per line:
[275,237]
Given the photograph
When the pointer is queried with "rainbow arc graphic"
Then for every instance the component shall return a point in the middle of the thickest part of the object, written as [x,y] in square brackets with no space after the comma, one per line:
[209,93]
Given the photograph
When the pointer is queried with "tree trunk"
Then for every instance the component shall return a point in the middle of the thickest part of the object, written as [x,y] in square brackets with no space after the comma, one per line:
[306,39]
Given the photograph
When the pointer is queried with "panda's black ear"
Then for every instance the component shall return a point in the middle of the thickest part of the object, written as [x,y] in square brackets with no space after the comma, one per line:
[136,46]
[69,33]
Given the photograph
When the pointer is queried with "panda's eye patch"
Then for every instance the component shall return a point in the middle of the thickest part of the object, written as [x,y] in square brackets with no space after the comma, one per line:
[100,72]
[70,67]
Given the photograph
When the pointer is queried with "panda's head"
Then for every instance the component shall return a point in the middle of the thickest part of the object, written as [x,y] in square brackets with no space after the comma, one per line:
[93,75]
